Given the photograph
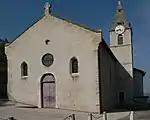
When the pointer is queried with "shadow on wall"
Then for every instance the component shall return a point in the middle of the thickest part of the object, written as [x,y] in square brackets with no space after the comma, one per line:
[116,84]
[6,103]
[3,70]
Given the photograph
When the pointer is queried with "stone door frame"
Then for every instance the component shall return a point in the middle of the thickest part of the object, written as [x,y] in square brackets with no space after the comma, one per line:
[41,88]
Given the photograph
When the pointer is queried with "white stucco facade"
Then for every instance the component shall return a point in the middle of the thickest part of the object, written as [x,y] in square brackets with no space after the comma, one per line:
[66,41]
[105,74]
[124,52]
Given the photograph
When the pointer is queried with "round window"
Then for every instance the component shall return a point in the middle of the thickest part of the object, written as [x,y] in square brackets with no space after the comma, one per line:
[47,60]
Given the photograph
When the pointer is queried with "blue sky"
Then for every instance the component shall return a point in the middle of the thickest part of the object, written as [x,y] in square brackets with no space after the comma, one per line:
[16,15]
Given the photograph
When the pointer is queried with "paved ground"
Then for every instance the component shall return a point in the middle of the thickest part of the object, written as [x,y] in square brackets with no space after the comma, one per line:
[142,115]
[139,115]
[8,110]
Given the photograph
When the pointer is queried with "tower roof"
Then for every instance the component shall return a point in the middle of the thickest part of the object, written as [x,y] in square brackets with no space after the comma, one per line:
[120,17]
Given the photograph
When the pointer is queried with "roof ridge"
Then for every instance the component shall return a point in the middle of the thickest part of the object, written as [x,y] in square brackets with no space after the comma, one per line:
[69,21]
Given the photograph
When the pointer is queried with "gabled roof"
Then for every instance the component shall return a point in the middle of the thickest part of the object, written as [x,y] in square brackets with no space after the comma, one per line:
[80,25]
[24,31]
[69,21]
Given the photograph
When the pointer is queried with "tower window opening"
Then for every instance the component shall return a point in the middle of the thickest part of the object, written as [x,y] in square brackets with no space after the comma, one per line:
[119,10]
[119,23]
[120,39]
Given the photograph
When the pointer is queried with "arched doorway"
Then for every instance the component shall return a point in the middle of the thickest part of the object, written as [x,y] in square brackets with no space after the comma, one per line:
[48,95]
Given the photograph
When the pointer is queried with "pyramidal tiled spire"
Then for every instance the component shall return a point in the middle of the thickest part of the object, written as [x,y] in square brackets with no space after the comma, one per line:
[120,17]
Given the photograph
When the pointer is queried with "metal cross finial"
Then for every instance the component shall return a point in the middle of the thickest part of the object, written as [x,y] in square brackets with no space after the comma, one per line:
[119,5]
[119,2]
[47,8]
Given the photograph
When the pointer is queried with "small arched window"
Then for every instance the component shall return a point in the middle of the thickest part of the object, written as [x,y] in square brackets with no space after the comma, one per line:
[24,69]
[120,39]
[73,65]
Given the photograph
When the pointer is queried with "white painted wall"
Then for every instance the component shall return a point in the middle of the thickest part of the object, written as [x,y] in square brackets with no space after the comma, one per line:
[66,41]
[124,52]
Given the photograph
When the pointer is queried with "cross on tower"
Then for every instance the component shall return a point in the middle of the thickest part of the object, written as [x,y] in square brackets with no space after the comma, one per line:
[119,2]
[47,8]
[119,5]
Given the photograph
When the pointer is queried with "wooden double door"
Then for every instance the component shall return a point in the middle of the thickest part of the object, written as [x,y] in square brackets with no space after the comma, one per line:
[48,91]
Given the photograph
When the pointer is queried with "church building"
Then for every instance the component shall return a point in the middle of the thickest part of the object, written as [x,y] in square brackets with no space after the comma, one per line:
[56,63]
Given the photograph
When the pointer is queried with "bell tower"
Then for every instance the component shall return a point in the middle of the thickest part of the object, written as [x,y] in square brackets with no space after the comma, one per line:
[121,39]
